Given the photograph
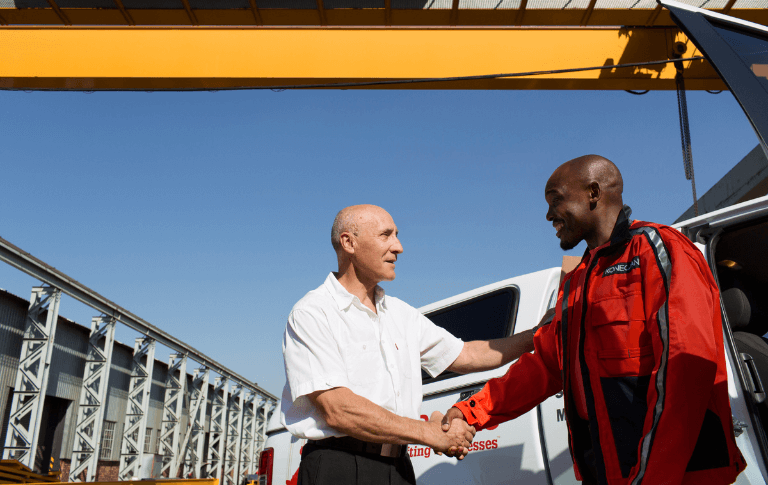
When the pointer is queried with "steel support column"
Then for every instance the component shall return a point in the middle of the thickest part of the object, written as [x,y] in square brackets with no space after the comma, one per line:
[255,434]
[32,376]
[234,431]
[218,428]
[175,389]
[135,427]
[192,445]
[263,418]
[246,438]
[93,400]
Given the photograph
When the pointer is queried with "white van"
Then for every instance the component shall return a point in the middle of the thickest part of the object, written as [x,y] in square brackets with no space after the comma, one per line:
[533,449]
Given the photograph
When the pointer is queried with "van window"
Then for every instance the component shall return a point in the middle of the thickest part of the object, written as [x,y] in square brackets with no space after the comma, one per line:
[750,47]
[484,317]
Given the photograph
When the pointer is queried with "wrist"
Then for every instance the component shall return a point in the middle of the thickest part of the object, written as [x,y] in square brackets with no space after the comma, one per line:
[426,435]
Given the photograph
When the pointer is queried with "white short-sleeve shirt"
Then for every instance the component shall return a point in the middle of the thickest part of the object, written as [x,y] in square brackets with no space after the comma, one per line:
[333,340]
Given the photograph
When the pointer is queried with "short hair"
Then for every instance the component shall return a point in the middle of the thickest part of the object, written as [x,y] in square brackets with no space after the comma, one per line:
[343,222]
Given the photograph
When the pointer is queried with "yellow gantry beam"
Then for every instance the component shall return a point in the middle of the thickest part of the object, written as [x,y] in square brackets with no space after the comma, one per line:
[158,58]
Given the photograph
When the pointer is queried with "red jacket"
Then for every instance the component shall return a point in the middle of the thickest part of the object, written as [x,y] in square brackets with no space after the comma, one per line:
[642,355]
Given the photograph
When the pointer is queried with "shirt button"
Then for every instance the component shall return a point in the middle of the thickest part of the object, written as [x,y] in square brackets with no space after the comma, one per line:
[363,347]
[398,393]
[472,404]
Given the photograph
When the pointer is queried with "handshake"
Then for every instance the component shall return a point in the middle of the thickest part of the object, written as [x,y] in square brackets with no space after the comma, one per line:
[449,433]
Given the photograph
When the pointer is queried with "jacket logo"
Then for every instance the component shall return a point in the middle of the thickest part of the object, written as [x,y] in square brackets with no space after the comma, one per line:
[620,268]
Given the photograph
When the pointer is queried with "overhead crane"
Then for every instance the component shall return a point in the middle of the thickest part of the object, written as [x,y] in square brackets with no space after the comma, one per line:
[92,45]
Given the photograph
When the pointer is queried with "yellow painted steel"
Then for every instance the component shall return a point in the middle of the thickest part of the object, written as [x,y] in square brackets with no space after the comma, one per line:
[12,471]
[213,58]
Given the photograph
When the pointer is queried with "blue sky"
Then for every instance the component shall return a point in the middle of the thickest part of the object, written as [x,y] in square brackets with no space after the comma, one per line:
[209,214]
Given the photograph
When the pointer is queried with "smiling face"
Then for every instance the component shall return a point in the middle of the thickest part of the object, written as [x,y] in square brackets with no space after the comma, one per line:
[569,208]
[376,246]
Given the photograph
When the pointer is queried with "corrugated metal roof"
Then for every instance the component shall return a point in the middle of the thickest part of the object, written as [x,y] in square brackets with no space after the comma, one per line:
[362,13]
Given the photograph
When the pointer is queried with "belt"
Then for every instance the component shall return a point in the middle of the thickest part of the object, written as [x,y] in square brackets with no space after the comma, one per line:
[354,445]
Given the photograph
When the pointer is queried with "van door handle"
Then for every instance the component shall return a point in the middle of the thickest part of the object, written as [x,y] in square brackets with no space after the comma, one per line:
[754,377]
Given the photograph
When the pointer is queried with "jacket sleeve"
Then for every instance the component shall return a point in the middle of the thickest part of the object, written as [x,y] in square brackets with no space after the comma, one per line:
[534,377]
[683,318]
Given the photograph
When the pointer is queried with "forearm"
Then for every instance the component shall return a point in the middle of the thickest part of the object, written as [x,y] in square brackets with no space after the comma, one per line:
[481,355]
[358,417]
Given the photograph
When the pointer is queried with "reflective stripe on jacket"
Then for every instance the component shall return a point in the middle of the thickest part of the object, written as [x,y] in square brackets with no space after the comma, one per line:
[651,355]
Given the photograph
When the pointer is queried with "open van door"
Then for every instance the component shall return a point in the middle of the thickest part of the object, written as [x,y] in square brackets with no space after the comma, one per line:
[738,50]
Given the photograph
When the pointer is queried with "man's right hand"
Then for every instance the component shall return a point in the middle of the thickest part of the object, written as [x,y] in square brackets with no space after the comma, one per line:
[450,415]
[453,440]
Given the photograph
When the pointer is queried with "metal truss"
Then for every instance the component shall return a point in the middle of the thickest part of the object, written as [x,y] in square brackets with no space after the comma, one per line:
[247,444]
[234,431]
[262,418]
[32,376]
[192,447]
[218,428]
[135,428]
[93,399]
[23,261]
[175,390]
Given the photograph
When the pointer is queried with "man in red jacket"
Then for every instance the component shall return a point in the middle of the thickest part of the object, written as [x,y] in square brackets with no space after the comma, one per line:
[636,346]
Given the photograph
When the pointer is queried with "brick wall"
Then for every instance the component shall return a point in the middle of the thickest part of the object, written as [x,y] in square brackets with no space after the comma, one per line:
[106,470]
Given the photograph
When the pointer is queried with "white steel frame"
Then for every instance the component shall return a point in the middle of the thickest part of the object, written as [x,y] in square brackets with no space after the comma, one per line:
[93,400]
[234,431]
[32,382]
[32,376]
[247,445]
[135,428]
[262,418]
[175,391]
[218,428]
[193,445]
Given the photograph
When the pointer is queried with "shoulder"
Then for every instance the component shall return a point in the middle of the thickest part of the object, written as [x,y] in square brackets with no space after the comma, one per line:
[317,302]
[676,244]
[669,236]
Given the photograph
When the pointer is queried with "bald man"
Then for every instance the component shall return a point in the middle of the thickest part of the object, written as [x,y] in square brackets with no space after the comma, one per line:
[636,346]
[353,360]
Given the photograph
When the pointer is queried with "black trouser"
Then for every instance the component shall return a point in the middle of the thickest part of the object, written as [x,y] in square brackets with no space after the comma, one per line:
[325,466]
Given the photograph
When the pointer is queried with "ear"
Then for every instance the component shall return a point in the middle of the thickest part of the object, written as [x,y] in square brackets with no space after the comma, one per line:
[348,243]
[595,192]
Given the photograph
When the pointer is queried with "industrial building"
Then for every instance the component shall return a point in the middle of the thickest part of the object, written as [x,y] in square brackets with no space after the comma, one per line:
[74,399]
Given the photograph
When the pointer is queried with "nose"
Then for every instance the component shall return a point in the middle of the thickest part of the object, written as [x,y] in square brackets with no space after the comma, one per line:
[550,215]
[397,247]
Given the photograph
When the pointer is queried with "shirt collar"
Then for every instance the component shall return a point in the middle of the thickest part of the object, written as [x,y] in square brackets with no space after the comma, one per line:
[344,299]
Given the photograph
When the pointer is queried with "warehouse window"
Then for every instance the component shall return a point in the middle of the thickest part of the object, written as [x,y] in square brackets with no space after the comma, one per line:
[147,440]
[107,440]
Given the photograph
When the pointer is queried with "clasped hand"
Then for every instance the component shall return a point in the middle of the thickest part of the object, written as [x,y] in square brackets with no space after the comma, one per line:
[452,433]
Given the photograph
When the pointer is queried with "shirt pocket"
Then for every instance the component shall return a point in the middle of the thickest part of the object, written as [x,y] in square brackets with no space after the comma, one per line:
[363,361]
[619,334]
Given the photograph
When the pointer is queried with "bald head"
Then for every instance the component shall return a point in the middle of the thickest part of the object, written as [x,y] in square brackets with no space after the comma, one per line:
[352,219]
[589,169]
[366,244]
[584,197]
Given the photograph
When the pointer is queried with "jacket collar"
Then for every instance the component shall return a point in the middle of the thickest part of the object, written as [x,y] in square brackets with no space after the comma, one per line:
[620,233]
[345,299]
